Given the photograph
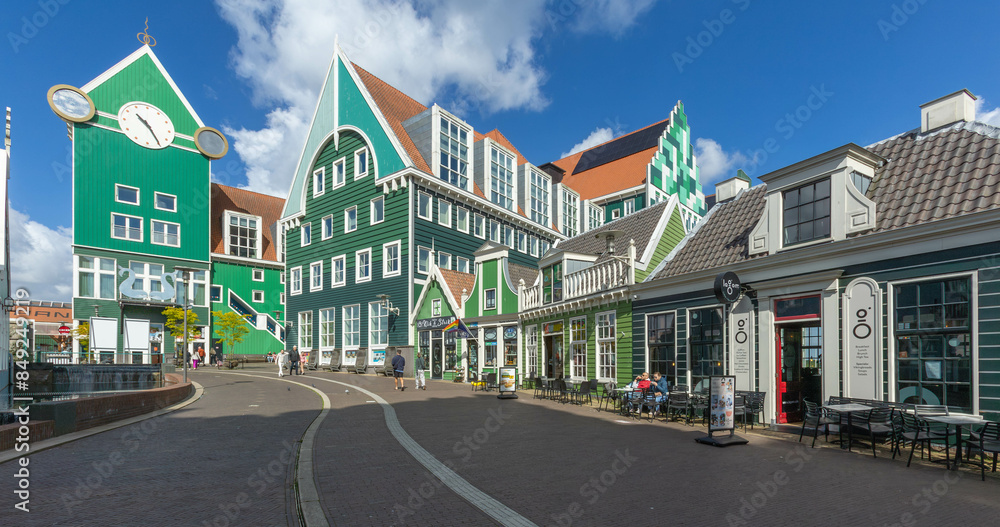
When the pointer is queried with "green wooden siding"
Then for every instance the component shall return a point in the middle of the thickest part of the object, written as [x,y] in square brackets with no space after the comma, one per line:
[619,205]
[671,236]
[238,278]
[354,111]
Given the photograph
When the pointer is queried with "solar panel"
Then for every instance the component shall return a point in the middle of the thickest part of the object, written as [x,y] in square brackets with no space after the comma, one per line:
[621,147]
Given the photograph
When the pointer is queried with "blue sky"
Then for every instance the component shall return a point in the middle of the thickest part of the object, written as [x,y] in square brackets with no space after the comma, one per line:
[798,77]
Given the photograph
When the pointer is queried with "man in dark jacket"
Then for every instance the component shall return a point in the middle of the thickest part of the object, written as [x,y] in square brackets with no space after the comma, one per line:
[398,366]
[294,357]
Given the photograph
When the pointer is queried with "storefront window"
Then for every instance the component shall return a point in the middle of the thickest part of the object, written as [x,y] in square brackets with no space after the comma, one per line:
[490,341]
[450,354]
[510,345]
[707,350]
[578,347]
[662,351]
[934,342]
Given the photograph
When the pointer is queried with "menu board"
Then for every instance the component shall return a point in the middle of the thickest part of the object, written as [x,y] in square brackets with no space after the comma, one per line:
[508,379]
[722,392]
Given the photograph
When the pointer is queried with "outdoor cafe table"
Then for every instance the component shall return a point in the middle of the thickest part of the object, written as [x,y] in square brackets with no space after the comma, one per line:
[956,420]
[849,409]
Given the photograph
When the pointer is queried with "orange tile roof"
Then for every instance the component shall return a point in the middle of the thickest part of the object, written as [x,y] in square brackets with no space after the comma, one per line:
[495,135]
[397,107]
[457,281]
[246,202]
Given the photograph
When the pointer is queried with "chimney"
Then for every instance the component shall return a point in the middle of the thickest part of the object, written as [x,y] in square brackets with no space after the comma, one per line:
[728,189]
[958,106]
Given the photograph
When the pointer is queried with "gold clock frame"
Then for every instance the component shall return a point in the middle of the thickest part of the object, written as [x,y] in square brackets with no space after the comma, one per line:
[197,143]
[64,116]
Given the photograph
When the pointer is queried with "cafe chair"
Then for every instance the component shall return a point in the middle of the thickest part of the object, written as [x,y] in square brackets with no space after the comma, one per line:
[916,430]
[815,418]
[677,404]
[989,443]
[491,382]
[879,425]
[476,382]
[609,397]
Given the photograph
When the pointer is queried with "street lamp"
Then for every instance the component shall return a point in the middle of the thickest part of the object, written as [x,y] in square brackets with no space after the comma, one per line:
[185,305]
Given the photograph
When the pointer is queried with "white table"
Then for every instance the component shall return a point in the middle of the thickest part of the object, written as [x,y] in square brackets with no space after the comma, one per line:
[956,420]
[849,409]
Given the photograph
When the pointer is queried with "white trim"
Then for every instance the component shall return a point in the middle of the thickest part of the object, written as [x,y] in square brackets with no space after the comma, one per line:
[270,264]
[138,199]
[141,229]
[661,227]
[368,162]
[157,207]
[458,224]
[227,217]
[600,201]
[430,255]
[486,297]
[291,279]
[358,279]
[253,296]
[343,322]
[324,234]
[598,341]
[211,288]
[399,257]
[441,256]
[312,276]
[321,172]
[481,235]
[458,261]
[333,271]
[436,307]
[347,219]
[430,206]
[371,210]
[152,233]
[281,298]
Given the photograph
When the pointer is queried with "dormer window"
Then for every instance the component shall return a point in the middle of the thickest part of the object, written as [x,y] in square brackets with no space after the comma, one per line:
[861,182]
[539,204]
[807,212]
[454,166]
[569,220]
[502,179]
[242,235]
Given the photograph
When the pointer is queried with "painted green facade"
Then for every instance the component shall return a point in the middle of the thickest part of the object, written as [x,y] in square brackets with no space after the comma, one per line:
[236,285]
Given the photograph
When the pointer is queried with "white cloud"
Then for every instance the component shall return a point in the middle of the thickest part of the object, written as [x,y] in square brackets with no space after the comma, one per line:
[714,163]
[598,136]
[469,57]
[987,116]
[40,258]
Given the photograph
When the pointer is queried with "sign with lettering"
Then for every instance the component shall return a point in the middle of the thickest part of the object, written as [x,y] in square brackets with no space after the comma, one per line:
[741,341]
[434,322]
[862,308]
[727,287]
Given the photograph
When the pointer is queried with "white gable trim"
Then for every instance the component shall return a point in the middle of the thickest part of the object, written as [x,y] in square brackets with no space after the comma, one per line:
[435,276]
[144,50]
[661,226]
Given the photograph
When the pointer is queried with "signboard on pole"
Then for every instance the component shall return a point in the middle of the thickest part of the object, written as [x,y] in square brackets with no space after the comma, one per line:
[508,382]
[721,410]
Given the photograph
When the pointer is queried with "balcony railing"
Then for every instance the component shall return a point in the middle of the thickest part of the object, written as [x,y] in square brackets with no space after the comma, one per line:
[605,276]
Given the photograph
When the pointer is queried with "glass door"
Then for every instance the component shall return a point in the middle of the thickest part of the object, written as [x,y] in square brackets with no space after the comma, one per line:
[799,370]
[437,355]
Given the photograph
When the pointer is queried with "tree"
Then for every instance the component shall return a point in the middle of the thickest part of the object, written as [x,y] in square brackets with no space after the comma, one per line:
[82,332]
[175,322]
[230,327]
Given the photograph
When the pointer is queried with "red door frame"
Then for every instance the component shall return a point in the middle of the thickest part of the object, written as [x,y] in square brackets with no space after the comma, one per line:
[777,336]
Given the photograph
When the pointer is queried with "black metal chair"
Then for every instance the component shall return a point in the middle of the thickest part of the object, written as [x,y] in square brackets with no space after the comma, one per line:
[583,391]
[755,406]
[677,404]
[699,407]
[989,443]
[916,430]
[491,382]
[815,418]
[609,397]
[476,382]
[878,424]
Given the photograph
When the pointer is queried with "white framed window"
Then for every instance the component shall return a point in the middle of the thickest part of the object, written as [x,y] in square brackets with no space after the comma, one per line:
[423,260]
[390,259]
[479,228]
[544,247]
[444,260]
[327,227]
[502,178]
[424,206]
[607,360]
[295,277]
[197,293]
[339,169]
[629,206]
[351,320]
[163,201]
[319,180]
[494,231]
[444,212]
[243,234]
[595,216]
[258,296]
[436,307]
[462,265]
[569,220]
[361,163]
[305,330]
[257,275]
[578,347]
[376,211]
[281,278]
[533,246]
[508,236]
[96,277]
[327,328]
[616,213]
[306,234]
[281,298]
[454,166]
[538,206]
[363,265]
[125,227]
[215,293]
[531,349]
[126,194]
[522,241]
[338,273]
[378,324]
[166,233]
[491,298]
[351,219]
[316,276]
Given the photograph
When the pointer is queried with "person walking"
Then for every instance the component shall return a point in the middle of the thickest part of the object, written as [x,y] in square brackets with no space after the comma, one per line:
[201,355]
[420,366]
[194,360]
[282,359]
[294,357]
[398,366]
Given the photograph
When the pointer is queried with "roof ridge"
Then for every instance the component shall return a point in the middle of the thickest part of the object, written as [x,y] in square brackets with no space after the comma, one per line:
[613,139]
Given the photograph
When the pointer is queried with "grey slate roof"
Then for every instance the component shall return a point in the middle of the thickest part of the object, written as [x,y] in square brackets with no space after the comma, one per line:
[639,226]
[945,173]
[521,272]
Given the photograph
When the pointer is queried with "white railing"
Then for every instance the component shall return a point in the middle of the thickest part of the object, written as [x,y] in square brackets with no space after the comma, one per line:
[608,275]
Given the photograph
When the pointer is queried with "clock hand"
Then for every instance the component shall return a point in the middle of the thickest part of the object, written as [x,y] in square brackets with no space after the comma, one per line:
[150,128]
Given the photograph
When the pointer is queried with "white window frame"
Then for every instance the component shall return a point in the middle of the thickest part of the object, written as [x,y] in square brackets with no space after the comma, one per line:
[610,331]
[351,326]
[538,206]
[444,212]
[531,349]
[357,266]
[281,298]
[494,227]
[436,307]
[152,233]
[303,229]
[327,328]
[372,209]
[522,242]
[347,219]
[615,214]
[281,278]
[148,277]
[574,344]
[127,228]
[430,206]
[257,296]
[295,280]
[368,162]
[387,258]
[508,236]
[533,246]
[497,196]
[462,265]
[595,216]
[97,272]
[570,227]
[444,260]
[462,218]
[326,226]
[257,275]
[137,194]
[427,269]
[212,293]
[339,170]
[466,144]
[305,337]
[486,298]
[378,324]
[313,275]
[342,260]
[479,226]
[158,207]
[319,175]
[227,226]
[629,206]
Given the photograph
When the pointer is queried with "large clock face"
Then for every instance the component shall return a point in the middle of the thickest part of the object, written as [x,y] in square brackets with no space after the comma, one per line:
[146,125]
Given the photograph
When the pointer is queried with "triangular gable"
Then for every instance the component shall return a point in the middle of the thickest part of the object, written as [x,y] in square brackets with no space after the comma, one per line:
[435,277]
[661,227]
[110,90]
[343,102]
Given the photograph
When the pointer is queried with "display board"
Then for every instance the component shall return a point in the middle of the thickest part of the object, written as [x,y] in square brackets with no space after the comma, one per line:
[136,335]
[722,393]
[508,379]
[103,334]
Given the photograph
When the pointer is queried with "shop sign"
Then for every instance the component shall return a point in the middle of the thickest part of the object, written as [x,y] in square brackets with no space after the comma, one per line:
[434,323]
[722,391]
[862,305]
[510,333]
[741,341]
[727,287]
[552,327]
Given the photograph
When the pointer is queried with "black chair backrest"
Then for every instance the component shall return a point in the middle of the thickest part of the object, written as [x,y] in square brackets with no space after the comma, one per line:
[593,384]
[930,409]
[680,388]
[880,415]
[585,388]
[990,432]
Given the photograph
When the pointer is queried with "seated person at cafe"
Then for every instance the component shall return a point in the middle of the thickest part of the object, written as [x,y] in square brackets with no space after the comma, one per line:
[660,387]
[641,382]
